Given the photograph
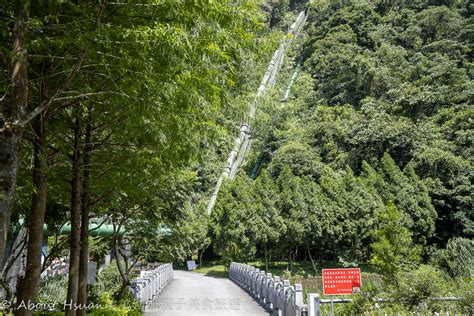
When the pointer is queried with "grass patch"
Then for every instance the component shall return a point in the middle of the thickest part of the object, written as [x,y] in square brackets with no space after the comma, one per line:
[215,270]
[303,272]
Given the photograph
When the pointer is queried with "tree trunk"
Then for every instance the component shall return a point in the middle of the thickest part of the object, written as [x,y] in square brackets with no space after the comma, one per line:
[9,161]
[311,258]
[75,237]
[201,255]
[123,289]
[266,258]
[84,255]
[290,261]
[9,278]
[28,285]
[123,272]
[14,107]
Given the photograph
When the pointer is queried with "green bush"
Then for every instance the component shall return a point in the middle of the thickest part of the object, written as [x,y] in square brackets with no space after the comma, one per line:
[411,291]
[465,290]
[109,280]
[109,308]
[53,290]
[414,288]
[107,285]
[458,257]
[104,290]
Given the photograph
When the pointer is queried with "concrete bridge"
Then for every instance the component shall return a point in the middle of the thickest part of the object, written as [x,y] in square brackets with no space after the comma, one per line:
[248,291]
[191,293]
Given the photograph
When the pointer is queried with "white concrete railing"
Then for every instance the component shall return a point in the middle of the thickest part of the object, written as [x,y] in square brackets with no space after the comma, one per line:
[147,287]
[276,295]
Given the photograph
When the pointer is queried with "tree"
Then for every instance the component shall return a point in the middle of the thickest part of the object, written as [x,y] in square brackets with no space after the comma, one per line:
[267,223]
[17,110]
[87,71]
[393,249]
[232,221]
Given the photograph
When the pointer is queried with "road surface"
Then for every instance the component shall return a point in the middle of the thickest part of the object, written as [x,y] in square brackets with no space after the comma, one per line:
[195,294]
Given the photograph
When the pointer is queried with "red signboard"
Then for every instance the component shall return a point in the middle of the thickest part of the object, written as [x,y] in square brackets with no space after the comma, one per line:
[341,281]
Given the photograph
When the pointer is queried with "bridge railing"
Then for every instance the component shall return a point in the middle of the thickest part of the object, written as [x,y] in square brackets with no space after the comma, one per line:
[276,295]
[148,287]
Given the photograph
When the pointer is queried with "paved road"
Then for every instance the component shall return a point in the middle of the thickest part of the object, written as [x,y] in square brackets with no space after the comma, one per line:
[195,294]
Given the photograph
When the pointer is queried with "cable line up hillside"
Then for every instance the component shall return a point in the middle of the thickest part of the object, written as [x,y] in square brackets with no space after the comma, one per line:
[242,142]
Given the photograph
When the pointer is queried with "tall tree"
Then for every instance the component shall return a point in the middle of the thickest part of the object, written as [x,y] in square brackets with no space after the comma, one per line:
[27,288]
[14,106]
[17,111]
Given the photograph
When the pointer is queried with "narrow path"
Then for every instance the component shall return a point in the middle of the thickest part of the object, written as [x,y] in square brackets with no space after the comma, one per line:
[191,293]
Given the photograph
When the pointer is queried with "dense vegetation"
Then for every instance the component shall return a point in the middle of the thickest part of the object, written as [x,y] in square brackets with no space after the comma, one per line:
[108,111]
[122,114]
[371,158]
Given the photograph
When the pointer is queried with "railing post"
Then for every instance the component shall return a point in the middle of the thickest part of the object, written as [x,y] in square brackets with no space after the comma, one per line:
[153,284]
[279,297]
[286,288]
[276,306]
[248,278]
[314,304]
[256,272]
[299,294]
[261,281]
[300,306]
[267,294]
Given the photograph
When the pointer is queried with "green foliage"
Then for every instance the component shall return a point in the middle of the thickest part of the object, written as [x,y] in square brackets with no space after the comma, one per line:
[393,247]
[107,281]
[99,247]
[106,286]
[234,238]
[458,257]
[411,293]
[391,91]
[278,12]
[414,288]
[53,290]
[214,270]
[108,307]
[189,236]
[371,159]
[158,86]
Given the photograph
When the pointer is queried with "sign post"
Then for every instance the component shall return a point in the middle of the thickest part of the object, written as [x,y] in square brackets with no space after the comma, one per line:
[341,282]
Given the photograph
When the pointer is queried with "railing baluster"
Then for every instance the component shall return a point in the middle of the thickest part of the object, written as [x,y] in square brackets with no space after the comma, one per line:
[147,288]
[279,297]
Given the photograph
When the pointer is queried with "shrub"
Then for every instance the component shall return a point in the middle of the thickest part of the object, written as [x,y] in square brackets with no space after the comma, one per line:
[108,308]
[106,287]
[458,257]
[465,290]
[414,288]
[53,290]
[108,280]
